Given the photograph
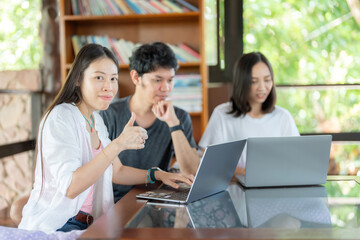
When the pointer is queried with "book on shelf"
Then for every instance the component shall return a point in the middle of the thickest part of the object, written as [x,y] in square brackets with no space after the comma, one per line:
[148,7]
[189,106]
[94,8]
[98,8]
[87,8]
[183,55]
[104,41]
[121,7]
[187,5]
[75,7]
[161,7]
[111,5]
[135,7]
[123,49]
[173,6]
[80,7]
[124,7]
[186,80]
[76,44]
[189,50]
[115,49]
[187,92]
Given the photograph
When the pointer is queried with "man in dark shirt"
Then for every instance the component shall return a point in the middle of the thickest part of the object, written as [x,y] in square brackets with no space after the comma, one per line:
[169,129]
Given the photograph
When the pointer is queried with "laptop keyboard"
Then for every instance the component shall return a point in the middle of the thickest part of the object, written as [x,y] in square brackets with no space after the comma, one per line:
[166,192]
[182,187]
[181,193]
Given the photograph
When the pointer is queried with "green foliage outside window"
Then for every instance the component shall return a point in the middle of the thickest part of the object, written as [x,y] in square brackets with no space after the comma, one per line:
[308,42]
[342,197]
[20,45]
[210,17]
[326,110]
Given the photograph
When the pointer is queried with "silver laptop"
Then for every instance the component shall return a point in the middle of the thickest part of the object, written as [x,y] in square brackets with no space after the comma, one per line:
[286,161]
[214,174]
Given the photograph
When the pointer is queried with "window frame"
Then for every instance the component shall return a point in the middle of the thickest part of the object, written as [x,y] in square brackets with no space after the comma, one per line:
[234,47]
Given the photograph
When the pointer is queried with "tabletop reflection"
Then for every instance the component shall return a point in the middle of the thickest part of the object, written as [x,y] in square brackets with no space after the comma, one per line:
[295,207]
[334,205]
[217,211]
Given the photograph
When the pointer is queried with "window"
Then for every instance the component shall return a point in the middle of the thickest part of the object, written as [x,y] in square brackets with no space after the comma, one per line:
[313,47]
[20,46]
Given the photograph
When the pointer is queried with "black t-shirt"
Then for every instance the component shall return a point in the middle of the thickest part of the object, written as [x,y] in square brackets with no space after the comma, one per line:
[158,150]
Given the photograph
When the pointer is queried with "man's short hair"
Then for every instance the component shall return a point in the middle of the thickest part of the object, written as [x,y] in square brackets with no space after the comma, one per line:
[150,57]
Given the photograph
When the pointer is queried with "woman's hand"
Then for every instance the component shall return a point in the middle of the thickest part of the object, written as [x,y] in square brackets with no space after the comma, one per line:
[132,137]
[172,179]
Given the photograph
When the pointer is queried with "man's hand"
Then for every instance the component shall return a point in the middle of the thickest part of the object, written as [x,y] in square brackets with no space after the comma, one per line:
[164,110]
[172,179]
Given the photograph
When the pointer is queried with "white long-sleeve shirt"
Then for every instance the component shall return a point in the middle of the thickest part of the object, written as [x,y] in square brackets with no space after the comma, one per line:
[224,127]
[66,146]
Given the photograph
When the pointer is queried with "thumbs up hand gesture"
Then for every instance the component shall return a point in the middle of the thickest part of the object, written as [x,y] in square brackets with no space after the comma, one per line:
[132,137]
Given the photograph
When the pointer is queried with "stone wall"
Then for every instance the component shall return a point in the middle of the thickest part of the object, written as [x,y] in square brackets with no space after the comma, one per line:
[16,174]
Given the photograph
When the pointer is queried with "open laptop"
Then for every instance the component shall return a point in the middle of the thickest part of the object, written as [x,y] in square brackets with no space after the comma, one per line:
[286,161]
[214,174]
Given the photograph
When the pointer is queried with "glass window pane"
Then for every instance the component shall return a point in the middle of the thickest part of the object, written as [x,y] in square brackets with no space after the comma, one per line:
[20,45]
[210,16]
[345,158]
[222,40]
[342,199]
[329,110]
[307,42]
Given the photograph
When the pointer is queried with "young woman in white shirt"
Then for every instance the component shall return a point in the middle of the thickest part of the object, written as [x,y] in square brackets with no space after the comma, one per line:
[251,111]
[76,162]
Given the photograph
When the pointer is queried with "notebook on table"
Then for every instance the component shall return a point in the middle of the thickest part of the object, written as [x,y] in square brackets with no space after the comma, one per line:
[286,161]
[214,174]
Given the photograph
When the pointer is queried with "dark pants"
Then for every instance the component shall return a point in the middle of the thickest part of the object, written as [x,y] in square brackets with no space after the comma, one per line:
[73,224]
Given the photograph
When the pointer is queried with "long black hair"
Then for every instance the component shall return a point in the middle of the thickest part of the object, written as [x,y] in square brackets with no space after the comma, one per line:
[242,75]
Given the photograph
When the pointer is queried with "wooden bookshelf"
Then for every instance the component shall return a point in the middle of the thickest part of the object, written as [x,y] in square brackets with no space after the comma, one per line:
[172,28]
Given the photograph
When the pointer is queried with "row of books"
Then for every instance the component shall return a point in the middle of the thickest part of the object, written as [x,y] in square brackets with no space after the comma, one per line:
[122,7]
[187,92]
[123,49]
